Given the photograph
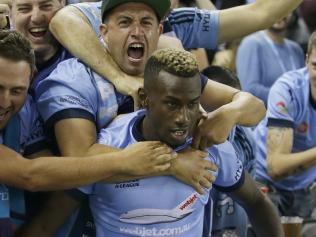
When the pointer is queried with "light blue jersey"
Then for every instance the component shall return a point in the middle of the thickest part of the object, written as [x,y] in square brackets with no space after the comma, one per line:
[92,10]
[73,90]
[289,105]
[260,62]
[195,28]
[43,71]
[157,206]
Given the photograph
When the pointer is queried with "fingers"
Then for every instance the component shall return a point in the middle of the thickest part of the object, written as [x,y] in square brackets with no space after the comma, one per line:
[161,168]
[199,188]
[162,159]
[209,177]
[137,102]
[210,166]
[205,183]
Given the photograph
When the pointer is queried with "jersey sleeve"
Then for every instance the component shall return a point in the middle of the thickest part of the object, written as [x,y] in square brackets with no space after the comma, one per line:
[67,93]
[93,13]
[32,132]
[281,104]
[195,28]
[230,174]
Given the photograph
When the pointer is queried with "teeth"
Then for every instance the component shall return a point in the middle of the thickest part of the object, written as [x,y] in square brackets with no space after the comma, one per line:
[136,45]
[3,114]
[37,29]
[179,133]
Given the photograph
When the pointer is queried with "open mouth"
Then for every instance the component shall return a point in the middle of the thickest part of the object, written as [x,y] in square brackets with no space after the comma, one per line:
[136,51]
[38,31]
[3,114]
[180,134]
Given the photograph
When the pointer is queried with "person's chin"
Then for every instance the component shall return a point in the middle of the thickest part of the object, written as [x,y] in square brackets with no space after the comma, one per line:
[134,71]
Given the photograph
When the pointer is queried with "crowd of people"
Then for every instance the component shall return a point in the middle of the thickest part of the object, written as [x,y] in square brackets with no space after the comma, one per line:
[127,118]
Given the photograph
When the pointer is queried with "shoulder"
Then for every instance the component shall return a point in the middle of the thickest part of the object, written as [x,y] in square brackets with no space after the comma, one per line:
[31,123]
[70,73]
[297,79]
[120,131]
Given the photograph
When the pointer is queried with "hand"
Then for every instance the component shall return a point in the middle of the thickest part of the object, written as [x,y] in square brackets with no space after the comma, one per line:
[129,85]
[213,128]
[191,168]
[147,158]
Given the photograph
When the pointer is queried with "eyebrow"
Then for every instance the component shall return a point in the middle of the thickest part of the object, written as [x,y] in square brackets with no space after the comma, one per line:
[27,4]
[174,98]
[148,18]
[19,88]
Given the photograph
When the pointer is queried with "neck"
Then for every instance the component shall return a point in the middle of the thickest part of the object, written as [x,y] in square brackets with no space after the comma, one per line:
[146,130]
[41,57]
[276,36]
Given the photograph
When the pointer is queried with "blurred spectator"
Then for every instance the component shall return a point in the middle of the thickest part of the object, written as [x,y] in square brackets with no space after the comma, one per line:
[308,12]
[263,56]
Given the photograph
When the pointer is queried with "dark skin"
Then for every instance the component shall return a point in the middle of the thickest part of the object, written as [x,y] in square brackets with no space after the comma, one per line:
[177,99]
[178,102]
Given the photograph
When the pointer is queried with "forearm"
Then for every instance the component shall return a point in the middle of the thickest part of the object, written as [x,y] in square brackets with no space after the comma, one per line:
[259,91]
[205,4]
[49,173]
[275,10]
[281,165]
[264,218]
[253,17]
[82,41]
[246,108]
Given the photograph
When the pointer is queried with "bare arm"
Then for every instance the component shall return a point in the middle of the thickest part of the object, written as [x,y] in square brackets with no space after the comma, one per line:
[261,212]
[281,161]
[55,173]
[235,107]
[205,4]
[253,17]
[84,144]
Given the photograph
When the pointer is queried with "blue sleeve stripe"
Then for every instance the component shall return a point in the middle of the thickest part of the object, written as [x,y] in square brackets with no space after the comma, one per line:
[182,12]
[204,80]
[283,123]
[35,147]
[76,194]
[232,188]
[185,17]
[67,114]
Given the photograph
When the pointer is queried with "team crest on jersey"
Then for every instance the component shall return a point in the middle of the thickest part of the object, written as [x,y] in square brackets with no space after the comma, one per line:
[281,106]
[302,127]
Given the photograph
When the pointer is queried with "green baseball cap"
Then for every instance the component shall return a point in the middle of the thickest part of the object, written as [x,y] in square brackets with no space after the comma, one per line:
[160,7]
